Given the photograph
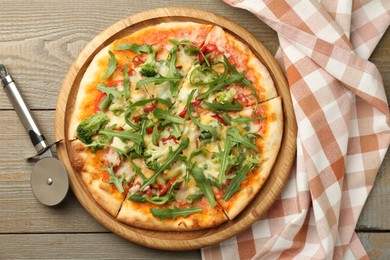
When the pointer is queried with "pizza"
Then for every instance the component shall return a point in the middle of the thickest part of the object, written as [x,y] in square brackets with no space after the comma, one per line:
[175,127]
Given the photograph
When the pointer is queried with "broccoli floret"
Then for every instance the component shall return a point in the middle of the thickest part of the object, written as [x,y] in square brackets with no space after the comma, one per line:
[91,126]
[98,143]
[148,69]
[226,96]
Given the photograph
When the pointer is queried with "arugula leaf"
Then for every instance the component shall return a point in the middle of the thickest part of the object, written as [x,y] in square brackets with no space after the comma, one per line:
[241,119]
[229,80]
[167,197]
[225,159]
[143,102]
[133,47]
[245,81]
[126,82]
[204,185]
[109,90]
[98,143]
[174,213]
[123,135]
[157,81]
[117,181]
[176,132]
[238,138]
[206,128]
[155,134]
[191,198]
[235,184]
[111,66]
[200,73]
[137,197]
[124,154]
[165,115]
[227,106]
[227,119]
[190,165]
[172,72]
[174,156]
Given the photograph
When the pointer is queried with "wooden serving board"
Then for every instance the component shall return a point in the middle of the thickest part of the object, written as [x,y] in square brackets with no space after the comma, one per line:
[188,239]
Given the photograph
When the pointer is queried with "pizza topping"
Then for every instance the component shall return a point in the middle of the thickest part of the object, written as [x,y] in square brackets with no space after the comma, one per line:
[226,159]
[111,66]
[173,156]
[219,107]
[238,138]
[91,126]
[117,181]
[148,69]
[126,82]
[174,213]
[235,183]
[204,185]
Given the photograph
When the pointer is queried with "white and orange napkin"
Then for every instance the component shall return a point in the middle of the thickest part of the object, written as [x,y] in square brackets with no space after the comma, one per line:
[343,128]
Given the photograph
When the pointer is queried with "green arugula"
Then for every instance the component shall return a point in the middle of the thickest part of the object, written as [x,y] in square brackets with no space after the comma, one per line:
[206,128]
[190,165]
[133,47]
[167,197]
[204,185]
[174,213]
[191,198]
[109,90]
[111,66]
[123,135]
[117,181]
[219,107]
[137,197]
[155,134]
[174,156]
[238,138]
[173,72]
[166,116]
[241,119]
[157,81]
[200,73]
[235,184]
[126,82]
[225,160]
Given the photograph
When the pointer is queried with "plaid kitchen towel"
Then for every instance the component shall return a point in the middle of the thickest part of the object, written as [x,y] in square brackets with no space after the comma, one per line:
[343,129]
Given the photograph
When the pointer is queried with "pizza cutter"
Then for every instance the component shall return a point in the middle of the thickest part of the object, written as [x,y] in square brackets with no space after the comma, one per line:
[49,179]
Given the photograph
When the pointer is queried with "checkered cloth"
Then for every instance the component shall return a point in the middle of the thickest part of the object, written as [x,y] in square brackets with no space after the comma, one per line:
[343,128]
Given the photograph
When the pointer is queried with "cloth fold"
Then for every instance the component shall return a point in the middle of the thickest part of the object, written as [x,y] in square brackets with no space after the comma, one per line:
[343,128]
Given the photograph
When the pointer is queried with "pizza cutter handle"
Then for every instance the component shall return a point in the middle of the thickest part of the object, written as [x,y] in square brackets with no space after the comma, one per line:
[23,112]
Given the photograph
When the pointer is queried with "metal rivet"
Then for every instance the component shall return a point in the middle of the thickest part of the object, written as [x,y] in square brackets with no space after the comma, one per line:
[49,181]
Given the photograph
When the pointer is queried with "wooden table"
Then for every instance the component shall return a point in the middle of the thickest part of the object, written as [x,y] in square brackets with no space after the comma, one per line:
[38,42]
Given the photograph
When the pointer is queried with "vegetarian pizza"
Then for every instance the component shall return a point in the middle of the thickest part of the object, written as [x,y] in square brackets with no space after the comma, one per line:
[175,127]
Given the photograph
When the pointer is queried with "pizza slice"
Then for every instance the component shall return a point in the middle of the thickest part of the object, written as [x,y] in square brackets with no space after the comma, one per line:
[174,202]
[253,139]
[255,82]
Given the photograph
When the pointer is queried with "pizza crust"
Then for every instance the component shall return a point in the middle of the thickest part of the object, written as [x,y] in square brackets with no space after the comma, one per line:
[139,215]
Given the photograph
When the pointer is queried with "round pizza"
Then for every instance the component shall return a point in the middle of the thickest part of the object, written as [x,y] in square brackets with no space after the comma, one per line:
[175,127]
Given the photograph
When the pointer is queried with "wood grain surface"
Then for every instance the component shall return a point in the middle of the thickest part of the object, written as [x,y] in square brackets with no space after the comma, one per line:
[39,41]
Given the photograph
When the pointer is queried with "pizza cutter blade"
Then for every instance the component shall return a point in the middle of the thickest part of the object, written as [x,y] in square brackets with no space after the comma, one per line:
[49,179]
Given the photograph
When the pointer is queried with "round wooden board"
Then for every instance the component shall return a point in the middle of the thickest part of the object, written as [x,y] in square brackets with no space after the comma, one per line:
[189,239]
